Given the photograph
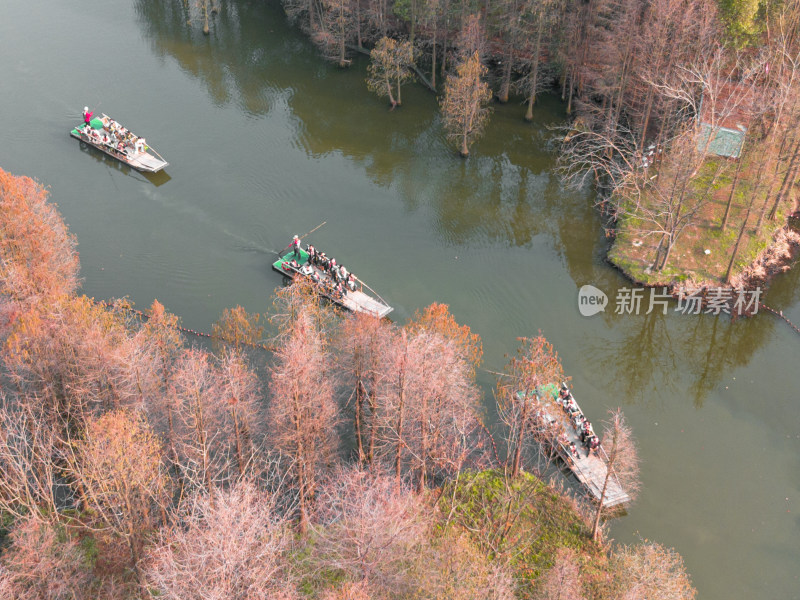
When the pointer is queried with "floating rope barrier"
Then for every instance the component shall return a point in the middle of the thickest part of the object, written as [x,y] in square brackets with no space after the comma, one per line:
[145,317]
[779,314]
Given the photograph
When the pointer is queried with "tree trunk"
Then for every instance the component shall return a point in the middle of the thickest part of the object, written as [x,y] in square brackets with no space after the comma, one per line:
[389,91]
[171,431]
[373,409]
[773,179]
[674,221]
[515,465]
[206,29]
[656,260]
[730,196]
[401,406]
[360,393]
[464,146]
[505,84]
[535,71]
[303,525]
[423,430]
[596,524]
[788,180]
[444,53]
[667,251]
[238,434]
[648,108]
[727,277]
[358,25]
[134,557]
[202,438]
[310,16]
[433,60]
[300,465]
[399,455]
[342,50]
[569,98]
[762,213]
[413,21]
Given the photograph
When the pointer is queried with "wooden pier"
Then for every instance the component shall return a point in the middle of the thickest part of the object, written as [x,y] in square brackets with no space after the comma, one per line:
[353,300]
[590,470]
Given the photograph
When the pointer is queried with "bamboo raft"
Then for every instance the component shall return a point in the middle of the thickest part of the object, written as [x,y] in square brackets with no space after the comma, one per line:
[142,159]
[353,300]
[590,470]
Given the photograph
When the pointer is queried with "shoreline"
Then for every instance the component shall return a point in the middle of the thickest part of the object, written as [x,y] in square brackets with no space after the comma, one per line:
[778,257]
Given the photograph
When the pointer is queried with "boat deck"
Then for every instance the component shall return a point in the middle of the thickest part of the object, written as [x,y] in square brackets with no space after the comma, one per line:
[138,159]
[590,470]
[146,162]
[355,301]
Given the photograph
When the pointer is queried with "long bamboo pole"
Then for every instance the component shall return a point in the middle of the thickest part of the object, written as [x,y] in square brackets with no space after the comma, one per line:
[280,255]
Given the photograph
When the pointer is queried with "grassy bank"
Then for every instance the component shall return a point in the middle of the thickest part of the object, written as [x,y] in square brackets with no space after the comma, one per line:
[524,522]
[634,249]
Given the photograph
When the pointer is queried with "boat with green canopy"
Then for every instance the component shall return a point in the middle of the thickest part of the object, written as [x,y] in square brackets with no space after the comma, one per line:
[334,282]
[111,138]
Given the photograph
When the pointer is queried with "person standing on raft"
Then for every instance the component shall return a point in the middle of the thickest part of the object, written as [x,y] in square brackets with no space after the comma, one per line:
[296,247]
[87,115]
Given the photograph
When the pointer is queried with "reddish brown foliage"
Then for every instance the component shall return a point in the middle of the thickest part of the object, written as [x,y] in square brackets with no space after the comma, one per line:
[75,358]
[562,581]
[237,328]
[39,258]
[42,564]
[437,318]
[119,471]
[520,401]
[302,413]
[651,571]
[429,408]
[362,351]
[214,408]
[371,527]
[622,459]
[230,544]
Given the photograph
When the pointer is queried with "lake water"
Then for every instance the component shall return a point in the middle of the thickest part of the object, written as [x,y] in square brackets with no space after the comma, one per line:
[265,141]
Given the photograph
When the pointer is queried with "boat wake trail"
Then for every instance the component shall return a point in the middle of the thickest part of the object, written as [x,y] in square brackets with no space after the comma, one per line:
[246,245]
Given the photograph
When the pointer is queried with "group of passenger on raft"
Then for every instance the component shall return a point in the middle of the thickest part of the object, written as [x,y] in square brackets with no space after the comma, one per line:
[338,282]
[579,422]
[113,135]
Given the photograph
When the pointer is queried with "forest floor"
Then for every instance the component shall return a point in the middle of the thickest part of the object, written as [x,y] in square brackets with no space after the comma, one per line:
[701,255]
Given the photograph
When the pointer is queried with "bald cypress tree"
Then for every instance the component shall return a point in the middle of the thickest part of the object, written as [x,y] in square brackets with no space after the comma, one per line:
[465,107]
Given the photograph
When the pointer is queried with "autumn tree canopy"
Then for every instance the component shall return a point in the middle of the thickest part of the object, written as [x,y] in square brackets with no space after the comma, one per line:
[465,103]
[132,461]
[39,257]
[390,66]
